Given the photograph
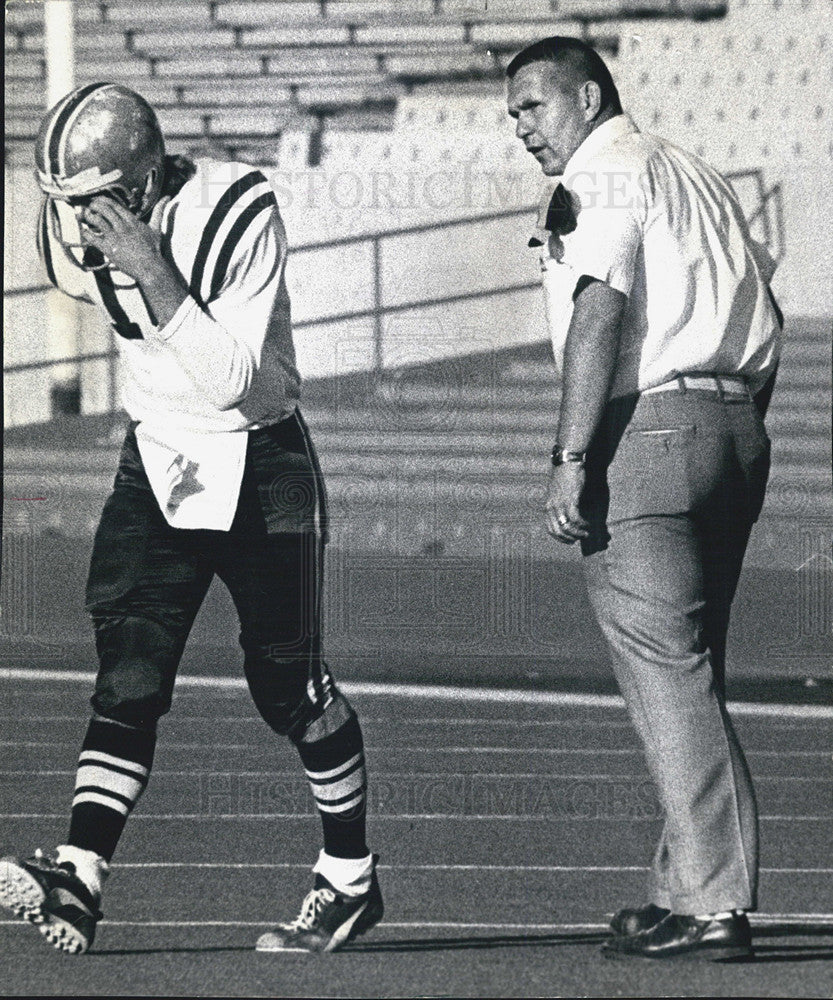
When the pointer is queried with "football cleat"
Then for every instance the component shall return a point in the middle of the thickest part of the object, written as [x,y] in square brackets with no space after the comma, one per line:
[328,920]
[101,138]
[52,897]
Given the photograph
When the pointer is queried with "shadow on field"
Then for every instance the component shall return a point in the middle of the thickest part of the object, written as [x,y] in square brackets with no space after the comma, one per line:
[474,943]
[764,953]
[806,952]
[411,944]
[109,952]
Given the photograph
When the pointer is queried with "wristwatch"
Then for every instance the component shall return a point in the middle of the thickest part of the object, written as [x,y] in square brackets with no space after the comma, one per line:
[560,456]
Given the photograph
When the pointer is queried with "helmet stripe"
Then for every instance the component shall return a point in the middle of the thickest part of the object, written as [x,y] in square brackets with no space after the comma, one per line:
[50,122]
[74,103]
[221,210]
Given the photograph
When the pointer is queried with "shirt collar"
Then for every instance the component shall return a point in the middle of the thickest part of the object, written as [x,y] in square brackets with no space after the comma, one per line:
[604,135]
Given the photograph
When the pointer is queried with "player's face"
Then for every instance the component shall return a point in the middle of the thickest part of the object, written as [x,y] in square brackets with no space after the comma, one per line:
[551,120]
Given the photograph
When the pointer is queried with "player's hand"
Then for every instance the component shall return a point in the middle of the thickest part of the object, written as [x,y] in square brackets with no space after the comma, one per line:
[128,243]
[563,519]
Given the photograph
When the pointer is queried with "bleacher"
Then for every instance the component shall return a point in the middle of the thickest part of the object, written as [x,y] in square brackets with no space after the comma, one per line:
[387,118]
[387,114]
[228,71]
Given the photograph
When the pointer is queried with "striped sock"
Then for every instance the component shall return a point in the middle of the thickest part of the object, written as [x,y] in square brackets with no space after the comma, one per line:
[335,767]
[113,771]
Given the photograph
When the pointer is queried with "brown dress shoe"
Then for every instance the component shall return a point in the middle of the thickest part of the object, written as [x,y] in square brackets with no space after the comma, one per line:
[637,921]
[686,937]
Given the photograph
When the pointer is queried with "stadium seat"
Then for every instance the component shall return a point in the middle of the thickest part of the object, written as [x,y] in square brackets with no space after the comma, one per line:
[264,121]
[24,66]
[589,10]
[192,38]
[126,69]
[129,13]
[439,64]
[101,41]
[215,93]
[237,64]
[346,95]
[181,122]
[392,34]
[321,60]
[22,123]
[24,94]
[249,13]
[25,15]
[492,86]
[517,35]
[511,10]
[278,34]
[356,11]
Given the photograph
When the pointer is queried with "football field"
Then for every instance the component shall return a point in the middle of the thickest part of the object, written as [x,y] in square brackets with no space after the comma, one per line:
[510,825]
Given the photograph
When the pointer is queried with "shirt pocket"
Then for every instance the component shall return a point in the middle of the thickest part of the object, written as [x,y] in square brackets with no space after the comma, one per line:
[648,475]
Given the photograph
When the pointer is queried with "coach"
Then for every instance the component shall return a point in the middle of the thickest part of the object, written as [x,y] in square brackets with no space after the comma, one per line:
[667,339]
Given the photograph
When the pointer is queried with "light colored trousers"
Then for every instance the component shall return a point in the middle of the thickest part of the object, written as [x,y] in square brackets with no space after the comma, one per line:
[675,482]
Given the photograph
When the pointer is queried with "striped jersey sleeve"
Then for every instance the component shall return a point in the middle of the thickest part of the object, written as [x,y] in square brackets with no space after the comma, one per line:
[237,292]
[244,209]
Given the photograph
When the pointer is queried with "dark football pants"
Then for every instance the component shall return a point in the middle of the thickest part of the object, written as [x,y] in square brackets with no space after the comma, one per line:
[147,581]
[675,482]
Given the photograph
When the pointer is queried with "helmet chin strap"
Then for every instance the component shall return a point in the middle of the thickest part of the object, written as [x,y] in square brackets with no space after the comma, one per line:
[149,197]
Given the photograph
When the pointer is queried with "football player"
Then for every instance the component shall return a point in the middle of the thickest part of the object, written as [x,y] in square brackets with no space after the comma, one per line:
[217,475]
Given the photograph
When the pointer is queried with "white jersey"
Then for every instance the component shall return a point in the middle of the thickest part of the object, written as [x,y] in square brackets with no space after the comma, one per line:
[225,363]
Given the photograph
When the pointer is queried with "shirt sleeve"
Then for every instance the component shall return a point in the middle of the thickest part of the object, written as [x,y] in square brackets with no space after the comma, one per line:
[220,344]
[767,264]
[607,237]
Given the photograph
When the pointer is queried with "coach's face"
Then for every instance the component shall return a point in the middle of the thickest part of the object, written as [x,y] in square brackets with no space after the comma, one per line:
[554,114]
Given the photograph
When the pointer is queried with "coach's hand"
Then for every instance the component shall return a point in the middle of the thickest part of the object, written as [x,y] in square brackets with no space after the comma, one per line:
[128,243]
[563,519]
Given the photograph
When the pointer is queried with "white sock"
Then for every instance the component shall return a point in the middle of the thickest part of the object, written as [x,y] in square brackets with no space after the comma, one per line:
[723,915]
[90,867]
[349,876]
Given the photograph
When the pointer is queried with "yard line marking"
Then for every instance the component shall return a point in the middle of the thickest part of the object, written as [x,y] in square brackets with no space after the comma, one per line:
[235,865]
[444,693]
[378,817]
[202,772]
[529,751]
[400,925]
[449,720]
[758,918]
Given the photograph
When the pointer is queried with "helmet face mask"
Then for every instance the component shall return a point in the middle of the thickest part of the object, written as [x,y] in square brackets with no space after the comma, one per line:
[64,224]
[101,139]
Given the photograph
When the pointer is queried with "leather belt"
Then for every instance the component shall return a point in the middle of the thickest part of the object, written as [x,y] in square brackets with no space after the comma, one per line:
[729,385]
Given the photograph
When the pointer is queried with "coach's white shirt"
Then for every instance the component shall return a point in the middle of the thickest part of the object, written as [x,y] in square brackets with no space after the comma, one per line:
[664,228]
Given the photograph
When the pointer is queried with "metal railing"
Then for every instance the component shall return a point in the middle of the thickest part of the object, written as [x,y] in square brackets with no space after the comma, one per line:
[377,311]
[773,230]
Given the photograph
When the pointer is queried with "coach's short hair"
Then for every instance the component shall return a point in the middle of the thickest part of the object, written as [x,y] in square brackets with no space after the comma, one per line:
[576,56]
